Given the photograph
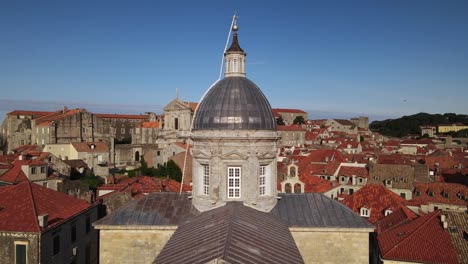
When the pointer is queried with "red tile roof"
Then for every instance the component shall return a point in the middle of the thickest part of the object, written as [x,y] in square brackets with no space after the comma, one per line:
[286,110]
[22,203]
[438,189]
[138,186]
[29,112]
[349,171]
[154,124]
[421,240]
[377,198]
[14,175]
[392,220]
[122,116]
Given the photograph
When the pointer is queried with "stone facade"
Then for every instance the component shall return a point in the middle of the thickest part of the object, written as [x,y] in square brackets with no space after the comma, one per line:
[241,151]
[135,245]
[332,245]
[361,122]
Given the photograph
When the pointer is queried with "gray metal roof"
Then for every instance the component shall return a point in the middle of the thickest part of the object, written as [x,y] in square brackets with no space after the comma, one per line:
[235,103]
[163,208]
[233,233]
[315,210]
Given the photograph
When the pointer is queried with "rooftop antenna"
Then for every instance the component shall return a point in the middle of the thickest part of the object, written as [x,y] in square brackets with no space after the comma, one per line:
[233,23]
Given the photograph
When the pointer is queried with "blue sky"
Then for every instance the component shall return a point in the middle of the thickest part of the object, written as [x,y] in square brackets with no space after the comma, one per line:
[330,58]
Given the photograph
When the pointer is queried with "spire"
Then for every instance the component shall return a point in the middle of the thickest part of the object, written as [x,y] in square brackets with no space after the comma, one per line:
[235,56]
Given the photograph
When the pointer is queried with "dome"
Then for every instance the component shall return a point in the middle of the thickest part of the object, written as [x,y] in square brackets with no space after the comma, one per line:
[234,103]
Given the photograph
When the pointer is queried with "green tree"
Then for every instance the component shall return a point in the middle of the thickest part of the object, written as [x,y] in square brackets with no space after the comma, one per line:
[173,171]
[299,120]
[93,181]
[280,121]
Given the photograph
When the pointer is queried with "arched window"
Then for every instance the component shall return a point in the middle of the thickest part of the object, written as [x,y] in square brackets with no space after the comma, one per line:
[137,156]
[297,188]
[288,188]
[235,65]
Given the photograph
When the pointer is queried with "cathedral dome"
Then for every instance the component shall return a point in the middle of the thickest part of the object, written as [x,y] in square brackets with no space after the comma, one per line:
[234,103]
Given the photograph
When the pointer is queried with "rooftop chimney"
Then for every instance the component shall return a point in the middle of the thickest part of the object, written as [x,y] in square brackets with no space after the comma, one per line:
[42,219]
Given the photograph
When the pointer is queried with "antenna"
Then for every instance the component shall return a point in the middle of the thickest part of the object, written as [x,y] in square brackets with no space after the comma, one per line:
[234,20]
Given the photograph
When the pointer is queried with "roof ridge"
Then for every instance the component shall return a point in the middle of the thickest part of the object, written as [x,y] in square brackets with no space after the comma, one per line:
[436,213]
[34,205]
[229,230]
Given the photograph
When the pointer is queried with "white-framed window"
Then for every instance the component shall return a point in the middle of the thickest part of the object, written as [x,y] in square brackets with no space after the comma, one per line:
[21,252]
[234,182]
[262,180]
[365,212]
[235,65]
[388,211]
[206,179]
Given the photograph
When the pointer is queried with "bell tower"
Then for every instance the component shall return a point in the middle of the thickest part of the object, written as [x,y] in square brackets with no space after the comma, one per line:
[235,57]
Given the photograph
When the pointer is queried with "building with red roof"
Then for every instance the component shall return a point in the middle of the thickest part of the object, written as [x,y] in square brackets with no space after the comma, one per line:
[373,202]
[420,240]
[429,197]
[39,225]
[288,115]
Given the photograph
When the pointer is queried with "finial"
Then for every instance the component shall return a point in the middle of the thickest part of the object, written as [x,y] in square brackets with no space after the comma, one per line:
[235,27]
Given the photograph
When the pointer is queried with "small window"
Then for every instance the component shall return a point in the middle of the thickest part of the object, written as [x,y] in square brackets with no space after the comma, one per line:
[234,182]
[365,212]
[43,169]
[206,179]
[158,153]
[446,195]
[388,212]
[262,181]
[403,195]
[21,249]
[56,247]
[430,193]
[33,170]
[122,131]
[88,224]
[173,153]
[418,193]
[73,233]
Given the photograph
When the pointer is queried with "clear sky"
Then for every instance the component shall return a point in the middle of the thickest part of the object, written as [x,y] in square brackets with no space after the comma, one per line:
[334,58]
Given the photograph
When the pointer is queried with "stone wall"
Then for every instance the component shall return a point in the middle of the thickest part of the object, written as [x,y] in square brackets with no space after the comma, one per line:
[132,246]
[332,245]
[7,248]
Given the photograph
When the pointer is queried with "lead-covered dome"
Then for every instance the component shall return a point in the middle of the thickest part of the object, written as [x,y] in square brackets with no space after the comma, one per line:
[234,103]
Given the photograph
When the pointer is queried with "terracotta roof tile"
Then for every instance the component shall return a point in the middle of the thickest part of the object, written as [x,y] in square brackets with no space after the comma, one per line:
[29,112]
[440,192]
[377,198]
[421,240]
[14,175]
[24,202]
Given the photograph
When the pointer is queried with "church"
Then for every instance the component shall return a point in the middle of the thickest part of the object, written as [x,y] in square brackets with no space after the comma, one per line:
[235,213]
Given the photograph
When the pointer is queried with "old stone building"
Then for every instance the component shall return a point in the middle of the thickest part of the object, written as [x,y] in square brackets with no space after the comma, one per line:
[234,195]
[289,115]
[39,225]
[17,128]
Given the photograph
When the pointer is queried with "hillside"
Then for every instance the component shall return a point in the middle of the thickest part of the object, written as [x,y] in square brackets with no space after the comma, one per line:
[405,125]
